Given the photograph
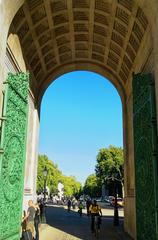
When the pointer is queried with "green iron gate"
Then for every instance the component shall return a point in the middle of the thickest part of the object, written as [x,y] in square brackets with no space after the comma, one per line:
[12,154]
[146,157]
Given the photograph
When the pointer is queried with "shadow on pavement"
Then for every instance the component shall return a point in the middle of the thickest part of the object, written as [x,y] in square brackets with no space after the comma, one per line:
[79,227]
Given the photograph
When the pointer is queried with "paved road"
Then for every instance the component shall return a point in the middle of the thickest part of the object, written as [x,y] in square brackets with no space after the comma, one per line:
[63,225]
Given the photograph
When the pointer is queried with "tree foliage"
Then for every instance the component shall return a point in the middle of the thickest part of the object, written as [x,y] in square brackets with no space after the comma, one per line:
[71,185]
[109,165]
[91,187]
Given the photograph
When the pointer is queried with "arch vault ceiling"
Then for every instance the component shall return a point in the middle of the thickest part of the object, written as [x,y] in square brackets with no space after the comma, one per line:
[56,32]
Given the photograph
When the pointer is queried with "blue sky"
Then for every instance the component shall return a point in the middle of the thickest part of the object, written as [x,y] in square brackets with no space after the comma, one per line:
[81,112]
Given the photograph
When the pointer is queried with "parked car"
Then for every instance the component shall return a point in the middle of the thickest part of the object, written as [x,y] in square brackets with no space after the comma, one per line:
[99,199]
[108,199]
[120,202]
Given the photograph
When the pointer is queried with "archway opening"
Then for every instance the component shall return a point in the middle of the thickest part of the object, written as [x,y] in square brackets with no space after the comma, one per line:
[81,113]
[116,37]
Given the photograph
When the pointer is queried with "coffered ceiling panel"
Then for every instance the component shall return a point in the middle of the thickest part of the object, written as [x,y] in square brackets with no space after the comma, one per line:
[55,32]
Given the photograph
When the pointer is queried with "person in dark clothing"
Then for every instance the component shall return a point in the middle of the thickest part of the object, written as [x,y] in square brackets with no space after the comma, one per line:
[37,221]
[88,203]
[41,206]
[69,205]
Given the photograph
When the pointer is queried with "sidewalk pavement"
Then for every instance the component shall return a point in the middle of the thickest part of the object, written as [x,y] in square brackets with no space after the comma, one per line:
[72,227]
[48,232]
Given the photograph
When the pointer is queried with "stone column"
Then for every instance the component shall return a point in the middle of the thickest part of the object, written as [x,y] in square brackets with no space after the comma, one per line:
[129,175]
[31,154]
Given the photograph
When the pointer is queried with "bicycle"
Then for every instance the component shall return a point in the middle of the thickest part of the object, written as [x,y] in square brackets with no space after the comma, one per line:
[96,226]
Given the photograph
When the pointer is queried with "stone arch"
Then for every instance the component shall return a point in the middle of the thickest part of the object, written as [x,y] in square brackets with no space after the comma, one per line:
[149,8]
[126,26]
[53,33]
[87,66]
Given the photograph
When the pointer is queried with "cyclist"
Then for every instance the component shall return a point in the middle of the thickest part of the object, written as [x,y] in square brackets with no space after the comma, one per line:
[95,210]
[80,206]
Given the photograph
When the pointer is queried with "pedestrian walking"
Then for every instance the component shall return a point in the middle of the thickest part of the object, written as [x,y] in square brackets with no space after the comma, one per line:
[41,206]
[26,234]
[69,205]
[29,218]
[37,220]
[88,203]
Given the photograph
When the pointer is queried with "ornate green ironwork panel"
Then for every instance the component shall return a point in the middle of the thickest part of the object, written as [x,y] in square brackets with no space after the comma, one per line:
[12,155]
[145,154]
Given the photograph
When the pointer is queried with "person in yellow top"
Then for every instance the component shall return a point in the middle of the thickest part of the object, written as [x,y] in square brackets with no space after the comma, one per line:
[95,210]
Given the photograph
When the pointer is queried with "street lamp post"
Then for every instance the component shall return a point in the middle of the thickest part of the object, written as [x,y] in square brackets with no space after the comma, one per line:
[45,172]
[116,215]
[115,178]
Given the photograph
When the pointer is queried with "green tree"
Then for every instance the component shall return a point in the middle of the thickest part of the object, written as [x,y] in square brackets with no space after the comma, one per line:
[109,167]
[91,187]
[53,177]
[71,185]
